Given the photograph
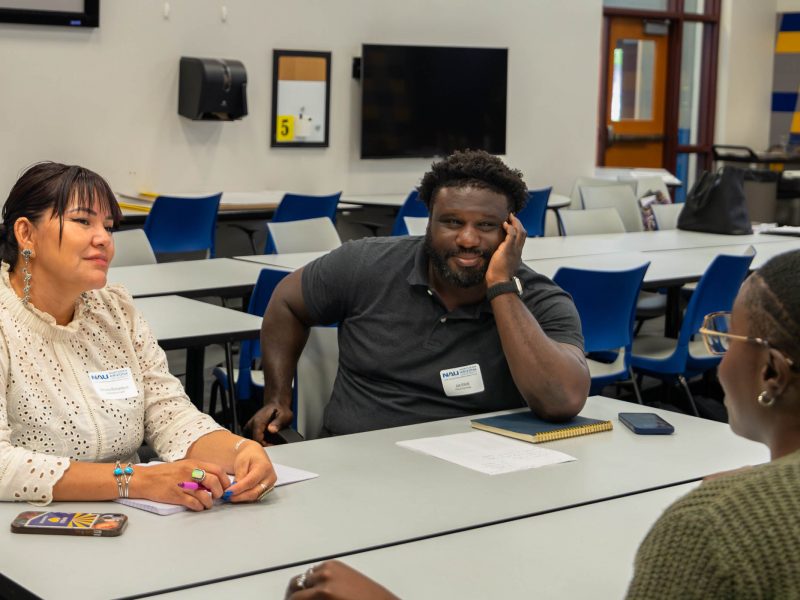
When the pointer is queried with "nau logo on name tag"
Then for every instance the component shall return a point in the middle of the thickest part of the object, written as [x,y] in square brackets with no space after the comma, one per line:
[462,381]
[114,385]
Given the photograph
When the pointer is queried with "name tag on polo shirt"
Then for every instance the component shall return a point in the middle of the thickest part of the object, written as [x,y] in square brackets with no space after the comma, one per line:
[462,381]
[114,385]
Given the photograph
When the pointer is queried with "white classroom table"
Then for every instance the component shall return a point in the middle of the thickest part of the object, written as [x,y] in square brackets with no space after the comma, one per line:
[667,267]
[206,277]
[370,493]
[615,173]
[639,241]
[179,322]
[285,262]
[583,552]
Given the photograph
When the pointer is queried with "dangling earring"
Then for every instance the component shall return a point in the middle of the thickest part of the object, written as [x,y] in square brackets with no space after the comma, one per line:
[765,400]
[26,290]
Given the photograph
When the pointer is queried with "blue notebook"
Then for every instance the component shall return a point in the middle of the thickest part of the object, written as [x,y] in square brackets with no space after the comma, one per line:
[529,428]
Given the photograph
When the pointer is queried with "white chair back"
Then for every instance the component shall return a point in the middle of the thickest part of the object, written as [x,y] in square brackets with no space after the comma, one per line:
[307,235]
[316,372]
[583,182]
[645,185]
[131,247]
[619,196]
[416,225]
[599,220]
[666,215]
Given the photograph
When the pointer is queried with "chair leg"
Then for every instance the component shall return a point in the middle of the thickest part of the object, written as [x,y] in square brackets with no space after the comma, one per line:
[635,386]
[231,388]
[639,324]
[686,389]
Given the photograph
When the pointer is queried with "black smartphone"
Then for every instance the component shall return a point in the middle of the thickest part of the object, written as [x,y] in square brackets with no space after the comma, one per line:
[69,523]
[646,423]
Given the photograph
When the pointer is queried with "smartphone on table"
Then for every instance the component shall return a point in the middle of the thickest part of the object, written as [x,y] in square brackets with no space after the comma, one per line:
[646,423]
[69,523]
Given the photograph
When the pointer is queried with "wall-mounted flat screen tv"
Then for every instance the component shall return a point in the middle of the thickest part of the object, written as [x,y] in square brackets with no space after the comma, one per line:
[72,13]
[425,101]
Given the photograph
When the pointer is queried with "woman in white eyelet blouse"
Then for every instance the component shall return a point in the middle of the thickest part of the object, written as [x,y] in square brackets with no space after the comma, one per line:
[69,409]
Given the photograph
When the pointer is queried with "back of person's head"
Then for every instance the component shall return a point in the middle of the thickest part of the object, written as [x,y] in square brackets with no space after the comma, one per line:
[47,190]
[474,168]
[773,300]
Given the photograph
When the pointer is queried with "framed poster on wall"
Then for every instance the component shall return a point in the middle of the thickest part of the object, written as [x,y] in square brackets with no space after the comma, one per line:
[300,98]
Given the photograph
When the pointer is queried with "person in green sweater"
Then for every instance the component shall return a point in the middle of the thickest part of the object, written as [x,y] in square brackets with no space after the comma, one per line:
[738,534]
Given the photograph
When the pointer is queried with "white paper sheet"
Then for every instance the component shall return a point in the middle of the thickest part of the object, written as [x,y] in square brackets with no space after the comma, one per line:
[486,452]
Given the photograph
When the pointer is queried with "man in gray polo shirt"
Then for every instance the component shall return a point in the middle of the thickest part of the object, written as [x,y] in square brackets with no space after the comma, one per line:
[443,326]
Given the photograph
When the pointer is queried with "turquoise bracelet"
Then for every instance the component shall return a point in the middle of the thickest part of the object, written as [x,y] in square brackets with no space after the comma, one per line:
[123,476]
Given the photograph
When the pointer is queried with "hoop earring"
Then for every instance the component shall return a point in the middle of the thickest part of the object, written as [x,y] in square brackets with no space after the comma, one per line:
[765,400]
[27,253]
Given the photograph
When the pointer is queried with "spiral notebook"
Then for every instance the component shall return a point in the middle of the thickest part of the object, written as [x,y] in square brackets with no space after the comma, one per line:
[528,428]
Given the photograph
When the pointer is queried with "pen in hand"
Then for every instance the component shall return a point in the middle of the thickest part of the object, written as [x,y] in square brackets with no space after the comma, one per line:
[193,485]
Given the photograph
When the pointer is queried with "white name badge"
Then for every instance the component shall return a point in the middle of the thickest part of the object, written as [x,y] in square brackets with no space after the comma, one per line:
[114,385]
[462,381]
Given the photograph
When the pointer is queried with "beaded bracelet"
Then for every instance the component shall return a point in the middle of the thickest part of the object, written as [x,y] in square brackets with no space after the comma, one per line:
[123,477]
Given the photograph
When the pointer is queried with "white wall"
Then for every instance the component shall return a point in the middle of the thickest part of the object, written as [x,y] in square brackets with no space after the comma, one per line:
[744,85]
[788,6]
[107,98]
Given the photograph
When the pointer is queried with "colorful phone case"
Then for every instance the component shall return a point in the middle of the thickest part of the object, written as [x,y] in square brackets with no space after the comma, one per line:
[69,523]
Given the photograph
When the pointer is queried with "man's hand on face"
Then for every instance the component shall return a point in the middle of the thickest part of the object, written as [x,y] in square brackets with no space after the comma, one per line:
[508,256]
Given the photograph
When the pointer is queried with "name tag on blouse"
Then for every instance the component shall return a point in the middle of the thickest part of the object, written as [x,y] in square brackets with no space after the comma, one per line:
[462,381]
[114,385]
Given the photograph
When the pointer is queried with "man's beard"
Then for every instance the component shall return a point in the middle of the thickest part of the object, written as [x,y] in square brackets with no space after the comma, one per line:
[464,278]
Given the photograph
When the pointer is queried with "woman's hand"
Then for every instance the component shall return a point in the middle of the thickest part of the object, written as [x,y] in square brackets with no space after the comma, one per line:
[160,483]
[333,580]
[255,476]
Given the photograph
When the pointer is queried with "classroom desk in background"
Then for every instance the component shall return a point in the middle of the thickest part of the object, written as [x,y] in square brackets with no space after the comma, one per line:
[179,322]
[639,241]
[370,493]
[584,552]
[192,278]
[222,277]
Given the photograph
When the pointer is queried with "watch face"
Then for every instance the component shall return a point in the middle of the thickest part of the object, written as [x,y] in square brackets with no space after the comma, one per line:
[519,284]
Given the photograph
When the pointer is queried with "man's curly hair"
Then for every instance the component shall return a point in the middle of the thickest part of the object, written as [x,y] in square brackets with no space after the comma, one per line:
[474,168]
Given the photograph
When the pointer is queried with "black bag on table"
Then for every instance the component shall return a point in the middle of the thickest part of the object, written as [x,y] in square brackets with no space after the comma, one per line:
[716,204]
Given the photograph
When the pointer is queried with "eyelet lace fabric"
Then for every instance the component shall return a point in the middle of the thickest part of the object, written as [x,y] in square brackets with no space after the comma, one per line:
[50,413]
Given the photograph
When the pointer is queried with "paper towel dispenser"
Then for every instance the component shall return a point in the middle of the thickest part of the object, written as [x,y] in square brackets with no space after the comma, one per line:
[212,89]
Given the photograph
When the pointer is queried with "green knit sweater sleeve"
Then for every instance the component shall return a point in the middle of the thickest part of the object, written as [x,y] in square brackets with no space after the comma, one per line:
[681,556]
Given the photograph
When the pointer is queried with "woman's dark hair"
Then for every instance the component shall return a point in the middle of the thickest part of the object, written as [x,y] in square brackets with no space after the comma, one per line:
[774,303]
[50,186]
[475,168]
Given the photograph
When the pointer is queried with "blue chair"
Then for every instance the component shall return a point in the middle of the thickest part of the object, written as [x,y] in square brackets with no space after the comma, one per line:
[532,216]
[297,207]
[183,224]
[412,207]
[606,303]
[249,382]
[670,359]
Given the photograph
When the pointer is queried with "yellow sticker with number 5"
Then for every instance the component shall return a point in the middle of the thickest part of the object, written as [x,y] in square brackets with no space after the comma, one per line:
[285,131]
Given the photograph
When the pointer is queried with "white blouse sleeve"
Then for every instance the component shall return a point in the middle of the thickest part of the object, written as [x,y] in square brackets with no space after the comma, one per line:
[172,423]
[25,475]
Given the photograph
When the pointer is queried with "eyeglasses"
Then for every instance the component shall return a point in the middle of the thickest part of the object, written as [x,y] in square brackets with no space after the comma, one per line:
[717,339]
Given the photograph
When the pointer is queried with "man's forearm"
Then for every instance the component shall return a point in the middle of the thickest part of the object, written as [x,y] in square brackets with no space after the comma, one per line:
[553,379]
[283,337]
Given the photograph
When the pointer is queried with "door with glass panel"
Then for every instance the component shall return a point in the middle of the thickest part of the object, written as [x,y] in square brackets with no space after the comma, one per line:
[636,92]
